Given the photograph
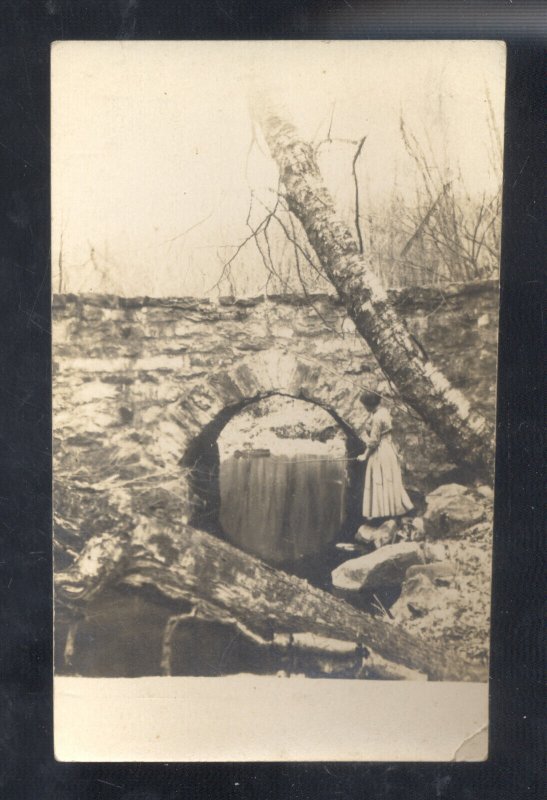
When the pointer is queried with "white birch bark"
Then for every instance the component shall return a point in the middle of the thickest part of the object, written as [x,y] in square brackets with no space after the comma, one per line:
[469,437]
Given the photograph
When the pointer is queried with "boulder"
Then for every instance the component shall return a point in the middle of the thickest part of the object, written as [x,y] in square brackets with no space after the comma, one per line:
[419,597]
[439,570]
[366,535]
[450,510]
[447,490]
[377,537]
[385,567]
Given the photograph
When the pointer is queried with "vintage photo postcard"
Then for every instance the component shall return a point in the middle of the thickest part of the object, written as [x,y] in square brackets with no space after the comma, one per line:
[275,312]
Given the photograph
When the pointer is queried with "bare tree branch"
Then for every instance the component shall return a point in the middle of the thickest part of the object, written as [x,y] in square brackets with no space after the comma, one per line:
[425,220]
[239,248]
[60,264]
[356,184]
[303,283]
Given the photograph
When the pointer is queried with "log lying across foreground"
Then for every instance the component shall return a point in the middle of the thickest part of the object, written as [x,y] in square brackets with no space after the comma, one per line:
[189,566]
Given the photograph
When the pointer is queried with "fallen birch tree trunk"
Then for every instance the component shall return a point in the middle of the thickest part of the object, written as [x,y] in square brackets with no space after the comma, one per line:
[193,569]
[469,438]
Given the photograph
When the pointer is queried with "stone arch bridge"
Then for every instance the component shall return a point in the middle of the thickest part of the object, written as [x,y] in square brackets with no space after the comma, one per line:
[142,385]
[141,389]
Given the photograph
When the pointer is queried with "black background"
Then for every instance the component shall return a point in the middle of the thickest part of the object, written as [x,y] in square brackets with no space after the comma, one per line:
[27,766]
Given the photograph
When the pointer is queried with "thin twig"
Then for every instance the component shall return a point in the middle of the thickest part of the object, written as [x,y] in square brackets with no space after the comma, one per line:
[239,248]
[297,245]
[382,608]
[356,183]
[293,240]
[303,284]
[331,119]
[267,258]
[337,140]
[61,265]
[424,220]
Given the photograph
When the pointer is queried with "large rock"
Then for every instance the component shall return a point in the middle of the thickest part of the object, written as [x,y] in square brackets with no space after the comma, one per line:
[384,567]
[367,536]
[377,537]
[448,490]
[450,510]
[420,597]
[437,571]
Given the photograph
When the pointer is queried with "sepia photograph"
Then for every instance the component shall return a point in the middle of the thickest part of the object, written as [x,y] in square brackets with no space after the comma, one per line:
[275,296]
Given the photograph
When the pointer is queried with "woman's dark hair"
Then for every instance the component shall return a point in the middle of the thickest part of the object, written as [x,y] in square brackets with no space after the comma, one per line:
[370,400]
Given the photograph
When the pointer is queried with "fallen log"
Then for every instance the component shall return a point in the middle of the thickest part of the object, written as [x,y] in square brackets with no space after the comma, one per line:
[191,568]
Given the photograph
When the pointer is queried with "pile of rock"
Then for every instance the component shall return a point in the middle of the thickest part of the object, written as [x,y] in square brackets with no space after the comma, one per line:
[435,568]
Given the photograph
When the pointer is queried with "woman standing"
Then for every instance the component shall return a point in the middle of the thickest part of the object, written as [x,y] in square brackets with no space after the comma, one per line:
[384,494]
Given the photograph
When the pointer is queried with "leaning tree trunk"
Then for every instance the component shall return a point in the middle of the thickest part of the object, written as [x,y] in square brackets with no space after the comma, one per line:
[191,568]
[468,437]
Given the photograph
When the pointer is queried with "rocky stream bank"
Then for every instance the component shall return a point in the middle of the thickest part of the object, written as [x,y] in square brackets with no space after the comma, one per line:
[429,574]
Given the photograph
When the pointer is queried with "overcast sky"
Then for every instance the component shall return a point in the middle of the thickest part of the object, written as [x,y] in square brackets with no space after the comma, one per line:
[150,139]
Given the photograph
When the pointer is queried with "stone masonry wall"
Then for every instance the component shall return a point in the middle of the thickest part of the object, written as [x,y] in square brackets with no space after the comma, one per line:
[137,379]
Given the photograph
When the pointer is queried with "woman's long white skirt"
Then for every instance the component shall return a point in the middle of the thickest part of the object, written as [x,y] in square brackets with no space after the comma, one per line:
[384,494]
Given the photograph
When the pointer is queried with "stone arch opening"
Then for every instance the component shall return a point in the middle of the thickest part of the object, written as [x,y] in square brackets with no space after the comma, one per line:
[298,538]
